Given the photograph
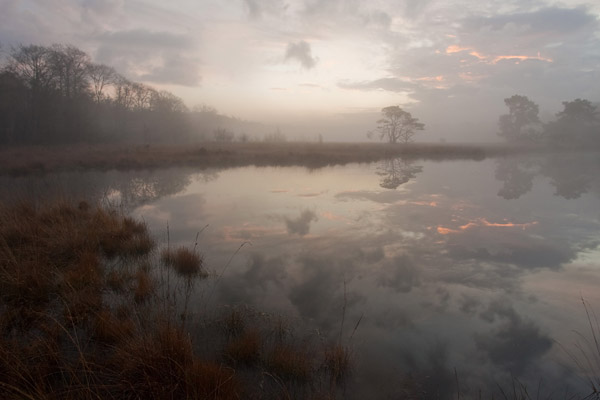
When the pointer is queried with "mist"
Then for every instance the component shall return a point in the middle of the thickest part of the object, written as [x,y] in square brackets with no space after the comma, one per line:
[301,199]
[313,67]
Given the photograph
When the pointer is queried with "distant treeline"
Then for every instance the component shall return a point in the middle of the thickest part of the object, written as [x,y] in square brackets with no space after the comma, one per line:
[58,95]
[577,125]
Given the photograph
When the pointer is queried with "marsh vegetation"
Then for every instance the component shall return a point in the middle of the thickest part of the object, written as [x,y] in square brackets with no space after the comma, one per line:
[87,311]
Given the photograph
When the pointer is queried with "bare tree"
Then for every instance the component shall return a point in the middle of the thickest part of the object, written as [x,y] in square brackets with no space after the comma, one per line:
[57,95]
[32,65]
[397,125]
[142,96]
[164,101]
[123,92]
[101,76]
[69,66]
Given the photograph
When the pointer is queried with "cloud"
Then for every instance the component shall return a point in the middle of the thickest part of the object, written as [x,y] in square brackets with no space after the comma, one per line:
[385,197]
[400,274]
[175,69]
[468,304]
[530,254]
[549,20]
[152,56]
[256,9]
[260,282]
[98,9]
[301,52]
[301,225]
[378,18]
[316,7]
[253,8]
[321,292]
[389,84]
[516,343]
[142,38]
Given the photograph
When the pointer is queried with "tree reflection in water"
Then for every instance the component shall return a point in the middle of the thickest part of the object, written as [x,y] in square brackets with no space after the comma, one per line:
[127,189]
[571,175]
[397,171]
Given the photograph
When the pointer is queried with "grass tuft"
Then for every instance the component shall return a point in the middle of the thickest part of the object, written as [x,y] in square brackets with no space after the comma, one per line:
[109,328]
[337,362]
[185,262]
[290,362]
[144,286]
[245,349]
[83,315]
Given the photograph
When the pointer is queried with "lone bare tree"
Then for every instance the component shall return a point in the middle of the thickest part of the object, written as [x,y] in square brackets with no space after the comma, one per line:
[397,125]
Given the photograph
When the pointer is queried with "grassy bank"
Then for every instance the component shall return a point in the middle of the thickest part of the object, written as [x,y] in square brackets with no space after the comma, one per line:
[91,308]
[23,160]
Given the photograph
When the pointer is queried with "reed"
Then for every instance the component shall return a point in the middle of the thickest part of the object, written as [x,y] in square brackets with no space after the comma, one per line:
[84,314]
[39,160]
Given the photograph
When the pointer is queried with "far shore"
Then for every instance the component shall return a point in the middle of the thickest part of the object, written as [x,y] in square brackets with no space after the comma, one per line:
[21,160]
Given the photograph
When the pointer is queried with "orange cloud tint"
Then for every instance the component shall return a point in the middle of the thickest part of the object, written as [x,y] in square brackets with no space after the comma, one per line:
[456,49]
[332,217]
[493,60]
[445,231]
[521,58]
[438,78]
[468,76]
[477,55]
[467,226]
[424,203]
[484,222]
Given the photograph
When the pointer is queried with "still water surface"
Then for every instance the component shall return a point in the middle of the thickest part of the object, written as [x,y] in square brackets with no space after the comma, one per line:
[459,269]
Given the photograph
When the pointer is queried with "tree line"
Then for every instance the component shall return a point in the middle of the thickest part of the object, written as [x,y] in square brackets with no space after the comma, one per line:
[577,125]
[56,94]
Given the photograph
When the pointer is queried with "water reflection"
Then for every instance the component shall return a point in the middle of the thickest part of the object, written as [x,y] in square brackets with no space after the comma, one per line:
[301,225]
[444,274]
[397,171]
[517,177]
[571,175]
[129,190]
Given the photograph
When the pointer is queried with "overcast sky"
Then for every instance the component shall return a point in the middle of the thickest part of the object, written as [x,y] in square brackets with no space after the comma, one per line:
[328,66]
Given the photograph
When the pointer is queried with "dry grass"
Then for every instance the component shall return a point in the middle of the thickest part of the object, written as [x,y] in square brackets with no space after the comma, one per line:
[337,362]
[110,328]
[34,159]
[144,286]
[67,326]
[290,362]
[185,262]
[245,348]
[234,323]
[82,317]
[117,279]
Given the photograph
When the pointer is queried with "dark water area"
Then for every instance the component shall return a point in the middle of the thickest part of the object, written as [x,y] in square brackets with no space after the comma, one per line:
[461,275]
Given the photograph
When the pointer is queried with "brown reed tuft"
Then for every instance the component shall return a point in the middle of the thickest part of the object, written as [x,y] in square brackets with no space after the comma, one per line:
[185,262]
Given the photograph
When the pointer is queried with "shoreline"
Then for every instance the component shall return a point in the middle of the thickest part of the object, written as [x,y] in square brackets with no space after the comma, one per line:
[23,160]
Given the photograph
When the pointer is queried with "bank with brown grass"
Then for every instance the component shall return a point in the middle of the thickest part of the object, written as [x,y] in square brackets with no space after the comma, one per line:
[38,159]
[91,308]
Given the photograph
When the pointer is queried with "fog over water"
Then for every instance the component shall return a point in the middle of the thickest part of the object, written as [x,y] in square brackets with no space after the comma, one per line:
[328,67]
[443,277]
[477,266]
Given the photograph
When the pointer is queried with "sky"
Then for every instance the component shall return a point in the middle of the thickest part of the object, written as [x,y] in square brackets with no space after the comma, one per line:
[329,66]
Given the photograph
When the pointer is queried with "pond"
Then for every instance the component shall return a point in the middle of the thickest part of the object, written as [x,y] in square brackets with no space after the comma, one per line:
[452,276]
